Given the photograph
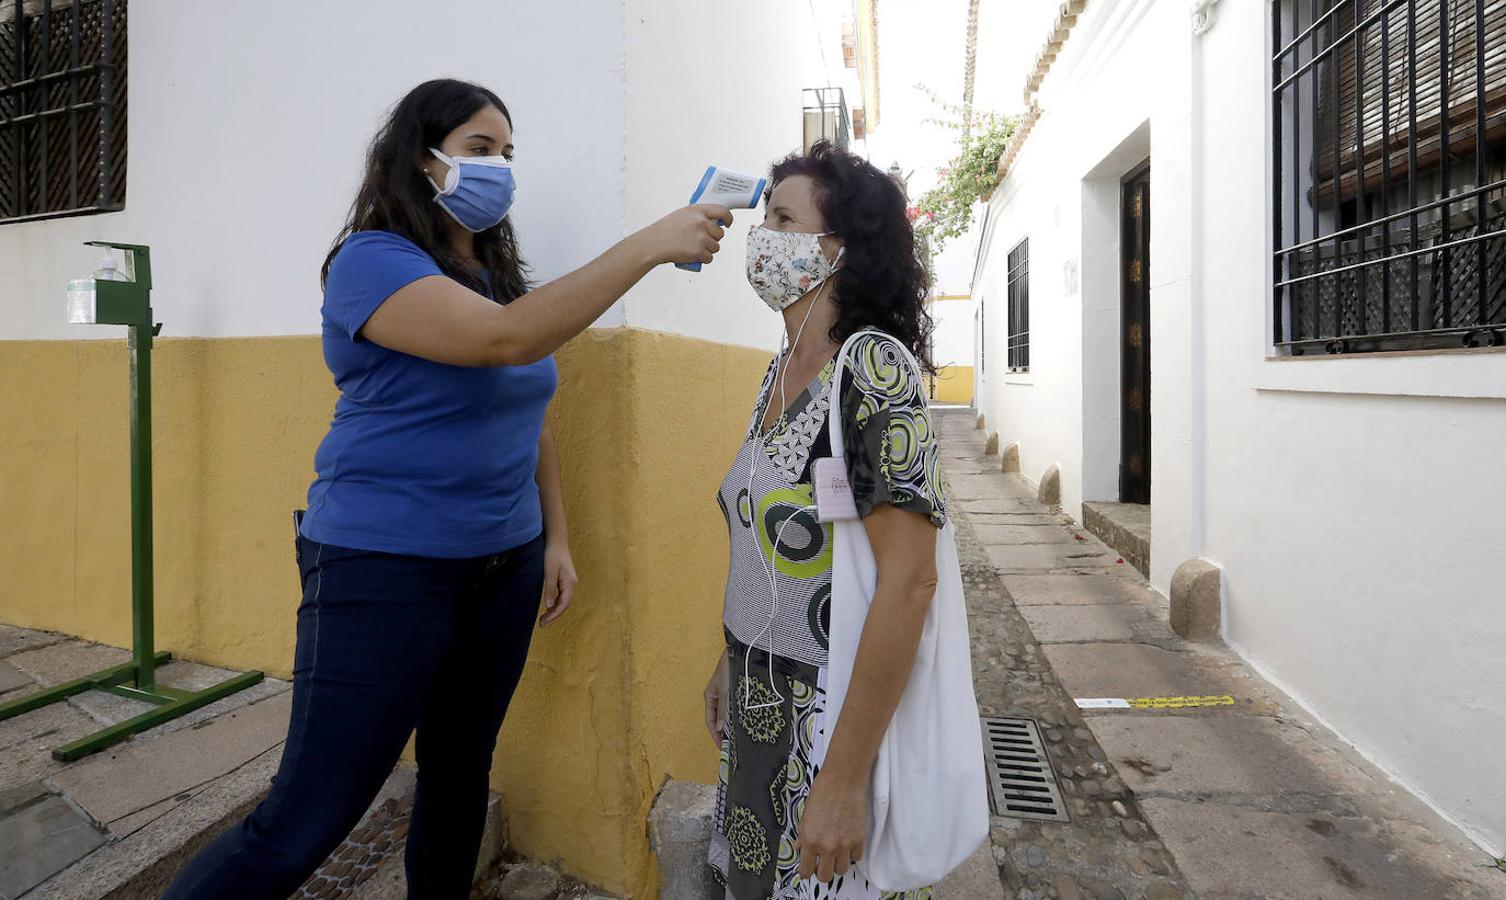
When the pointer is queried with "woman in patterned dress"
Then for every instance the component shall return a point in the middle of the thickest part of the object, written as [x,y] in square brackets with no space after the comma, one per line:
[835,256]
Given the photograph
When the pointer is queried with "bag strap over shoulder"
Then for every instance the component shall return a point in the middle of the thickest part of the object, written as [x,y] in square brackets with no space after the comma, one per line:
[834,418]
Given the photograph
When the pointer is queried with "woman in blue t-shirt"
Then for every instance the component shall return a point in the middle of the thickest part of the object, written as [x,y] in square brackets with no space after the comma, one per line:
[436,522]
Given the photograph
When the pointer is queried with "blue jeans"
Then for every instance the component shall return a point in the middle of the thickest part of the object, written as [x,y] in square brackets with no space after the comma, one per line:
[386,644]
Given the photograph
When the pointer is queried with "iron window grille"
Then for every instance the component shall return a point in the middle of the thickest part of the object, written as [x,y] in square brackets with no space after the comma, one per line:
[1019,308]
[1389,159]
[62,108]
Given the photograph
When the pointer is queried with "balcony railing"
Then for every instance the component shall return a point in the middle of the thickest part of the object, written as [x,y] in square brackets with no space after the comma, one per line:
[826,117]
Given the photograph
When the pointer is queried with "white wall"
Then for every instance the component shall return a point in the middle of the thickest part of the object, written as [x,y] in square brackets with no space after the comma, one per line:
[952,341]
[952,268]
[1359,528]
[248,125]
[1037,409]
[1098,272]
[1062,194]
[1352,504]
[826,66]
[1009,36]
[708,84]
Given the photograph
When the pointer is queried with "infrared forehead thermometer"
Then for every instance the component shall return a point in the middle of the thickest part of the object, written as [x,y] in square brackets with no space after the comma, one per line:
[728,188]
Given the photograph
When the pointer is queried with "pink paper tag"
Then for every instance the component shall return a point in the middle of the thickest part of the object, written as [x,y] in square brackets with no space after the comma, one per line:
[833,494]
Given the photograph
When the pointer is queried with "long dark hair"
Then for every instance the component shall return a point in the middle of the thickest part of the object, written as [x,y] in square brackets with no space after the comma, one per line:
[881,283]
[395,196]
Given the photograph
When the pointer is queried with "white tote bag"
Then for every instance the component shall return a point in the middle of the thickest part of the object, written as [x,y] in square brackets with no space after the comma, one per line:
[929,803]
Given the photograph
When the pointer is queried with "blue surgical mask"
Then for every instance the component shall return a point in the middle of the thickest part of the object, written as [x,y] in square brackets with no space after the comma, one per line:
[477,191]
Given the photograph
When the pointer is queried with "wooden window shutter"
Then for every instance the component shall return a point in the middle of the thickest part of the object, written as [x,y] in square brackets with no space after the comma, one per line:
[1387,89]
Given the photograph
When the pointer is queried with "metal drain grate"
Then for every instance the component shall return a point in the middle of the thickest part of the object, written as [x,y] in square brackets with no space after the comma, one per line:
[1019,773]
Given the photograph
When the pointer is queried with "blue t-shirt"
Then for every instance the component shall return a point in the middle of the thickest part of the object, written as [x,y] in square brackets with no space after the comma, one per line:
[422,458]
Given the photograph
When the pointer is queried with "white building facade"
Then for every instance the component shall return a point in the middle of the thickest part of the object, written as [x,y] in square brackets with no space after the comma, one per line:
[248,125]
[233,148]
[1323,426]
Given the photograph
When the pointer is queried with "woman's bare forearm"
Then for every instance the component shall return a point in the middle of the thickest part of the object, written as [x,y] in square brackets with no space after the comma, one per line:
[886,656]
[551,489]
[904,547]
[437,318]
[547,317]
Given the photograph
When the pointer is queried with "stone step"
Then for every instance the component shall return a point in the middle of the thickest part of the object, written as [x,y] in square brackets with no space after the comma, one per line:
[1124,527]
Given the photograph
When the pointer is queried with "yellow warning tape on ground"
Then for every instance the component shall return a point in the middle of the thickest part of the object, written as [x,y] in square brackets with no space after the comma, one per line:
[1179,702]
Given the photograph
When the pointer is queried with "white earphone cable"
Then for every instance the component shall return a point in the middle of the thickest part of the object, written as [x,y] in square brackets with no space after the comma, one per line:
[771,566]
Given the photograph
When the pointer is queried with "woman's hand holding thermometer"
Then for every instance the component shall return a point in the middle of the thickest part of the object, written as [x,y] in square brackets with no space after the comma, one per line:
[689,235]
[733,190]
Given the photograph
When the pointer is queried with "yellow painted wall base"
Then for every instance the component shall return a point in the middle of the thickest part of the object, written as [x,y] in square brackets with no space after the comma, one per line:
[610,704]
[236,424]
[953,384]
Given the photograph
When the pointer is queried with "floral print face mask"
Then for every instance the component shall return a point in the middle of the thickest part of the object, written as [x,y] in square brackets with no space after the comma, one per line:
[784,266]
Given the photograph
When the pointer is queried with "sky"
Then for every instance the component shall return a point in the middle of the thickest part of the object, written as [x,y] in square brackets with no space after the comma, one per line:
[924,42]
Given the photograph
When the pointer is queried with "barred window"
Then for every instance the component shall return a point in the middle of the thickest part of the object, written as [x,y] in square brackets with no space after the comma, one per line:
[62,107]
[1389,139]
[1019,307]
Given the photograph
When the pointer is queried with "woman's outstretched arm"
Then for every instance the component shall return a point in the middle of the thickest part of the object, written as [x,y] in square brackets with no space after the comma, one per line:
[439,319]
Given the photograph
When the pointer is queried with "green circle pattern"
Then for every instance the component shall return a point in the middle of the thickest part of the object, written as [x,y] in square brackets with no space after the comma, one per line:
[793,498]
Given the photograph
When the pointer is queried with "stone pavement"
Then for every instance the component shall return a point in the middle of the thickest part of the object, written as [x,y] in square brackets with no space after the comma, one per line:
[120,823]
[1253,800]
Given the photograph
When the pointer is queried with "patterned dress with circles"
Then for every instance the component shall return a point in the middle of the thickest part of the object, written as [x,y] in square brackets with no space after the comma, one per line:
[776,613]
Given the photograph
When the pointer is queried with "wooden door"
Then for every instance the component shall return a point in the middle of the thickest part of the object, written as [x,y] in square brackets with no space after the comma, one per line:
[1134,461]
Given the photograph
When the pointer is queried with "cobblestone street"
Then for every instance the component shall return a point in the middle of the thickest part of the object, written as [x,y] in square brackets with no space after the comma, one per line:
[1247,800]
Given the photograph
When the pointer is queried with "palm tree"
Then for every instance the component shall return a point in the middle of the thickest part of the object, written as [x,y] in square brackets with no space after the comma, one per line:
[971,67]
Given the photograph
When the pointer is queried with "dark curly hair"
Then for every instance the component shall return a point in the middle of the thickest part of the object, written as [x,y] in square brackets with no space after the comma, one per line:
[395,196]
[882,283]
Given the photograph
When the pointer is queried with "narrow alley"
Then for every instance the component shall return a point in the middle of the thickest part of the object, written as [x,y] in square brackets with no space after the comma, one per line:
[1208,301]
[1252,799]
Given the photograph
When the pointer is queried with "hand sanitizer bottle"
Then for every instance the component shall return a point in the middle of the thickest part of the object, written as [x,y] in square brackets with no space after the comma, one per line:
[108,270]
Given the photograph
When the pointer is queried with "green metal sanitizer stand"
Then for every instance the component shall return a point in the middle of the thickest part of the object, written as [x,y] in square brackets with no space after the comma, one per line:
[129,303]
